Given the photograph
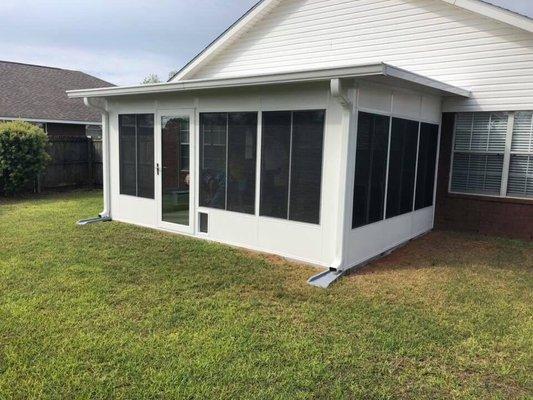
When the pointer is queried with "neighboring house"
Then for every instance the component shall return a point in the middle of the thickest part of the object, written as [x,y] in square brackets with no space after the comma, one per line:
[36,94]
[311,129]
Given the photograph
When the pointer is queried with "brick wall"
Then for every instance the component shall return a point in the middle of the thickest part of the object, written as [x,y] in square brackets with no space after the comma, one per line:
[485,215]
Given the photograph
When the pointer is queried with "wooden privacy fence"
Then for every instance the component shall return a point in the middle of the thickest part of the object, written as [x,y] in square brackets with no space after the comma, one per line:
[75,162]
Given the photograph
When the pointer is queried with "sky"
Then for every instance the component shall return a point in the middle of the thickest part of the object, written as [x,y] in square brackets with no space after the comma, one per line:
[123,41]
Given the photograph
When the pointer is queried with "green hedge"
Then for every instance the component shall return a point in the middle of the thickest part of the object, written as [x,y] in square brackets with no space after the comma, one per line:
[22,155]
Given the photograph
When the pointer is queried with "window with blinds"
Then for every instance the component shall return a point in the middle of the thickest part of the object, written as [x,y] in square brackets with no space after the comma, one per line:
[478,153]
[493,154]
[520,180]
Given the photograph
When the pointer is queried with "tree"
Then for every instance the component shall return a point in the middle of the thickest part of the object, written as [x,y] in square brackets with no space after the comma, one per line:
[171,74]
[152,78]
[22,155]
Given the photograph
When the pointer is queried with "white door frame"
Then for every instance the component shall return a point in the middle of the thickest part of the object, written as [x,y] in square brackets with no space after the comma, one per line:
[191,114]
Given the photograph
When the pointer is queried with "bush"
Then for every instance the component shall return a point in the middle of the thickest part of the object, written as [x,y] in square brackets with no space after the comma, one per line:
[22,155]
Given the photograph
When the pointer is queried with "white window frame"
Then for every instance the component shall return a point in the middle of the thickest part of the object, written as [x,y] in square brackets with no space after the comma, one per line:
[506,160]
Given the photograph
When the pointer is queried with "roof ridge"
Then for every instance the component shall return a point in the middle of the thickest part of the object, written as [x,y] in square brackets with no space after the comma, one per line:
[37,65]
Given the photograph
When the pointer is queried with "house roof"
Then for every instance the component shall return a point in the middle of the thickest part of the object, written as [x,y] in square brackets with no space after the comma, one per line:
[381,72]
[251,16]
[37,93]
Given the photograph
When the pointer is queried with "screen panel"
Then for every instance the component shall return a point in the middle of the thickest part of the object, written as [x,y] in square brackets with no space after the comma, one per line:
[370,169]
[306,166]
[145,155]
[213,145]
[242,144]
[427,156]
[127,154]
[402,165]
[275,158]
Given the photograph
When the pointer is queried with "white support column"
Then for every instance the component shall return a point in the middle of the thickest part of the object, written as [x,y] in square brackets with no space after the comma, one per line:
[258,163]
[338,93]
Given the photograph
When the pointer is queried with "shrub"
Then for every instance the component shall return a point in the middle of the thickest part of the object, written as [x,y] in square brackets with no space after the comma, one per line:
[22,155]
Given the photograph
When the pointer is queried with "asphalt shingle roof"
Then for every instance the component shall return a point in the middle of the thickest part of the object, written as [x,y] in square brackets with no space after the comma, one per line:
[38,92]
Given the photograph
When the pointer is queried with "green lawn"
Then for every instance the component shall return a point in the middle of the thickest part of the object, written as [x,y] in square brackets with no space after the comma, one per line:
[116,311]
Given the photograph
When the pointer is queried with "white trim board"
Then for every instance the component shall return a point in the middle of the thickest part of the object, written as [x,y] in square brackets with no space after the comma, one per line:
[316,75]
[255,13]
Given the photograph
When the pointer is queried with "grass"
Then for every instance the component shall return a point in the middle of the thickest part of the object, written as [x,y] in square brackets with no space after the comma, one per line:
[116,311]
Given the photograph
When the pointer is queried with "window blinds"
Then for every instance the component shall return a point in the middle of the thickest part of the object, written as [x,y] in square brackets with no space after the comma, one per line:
[481,132]
[522,133]
[481,161]
[477,173]
[520,181]
[479,152]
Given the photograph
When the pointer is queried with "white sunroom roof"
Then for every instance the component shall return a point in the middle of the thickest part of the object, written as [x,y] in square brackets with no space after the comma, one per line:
[380,72]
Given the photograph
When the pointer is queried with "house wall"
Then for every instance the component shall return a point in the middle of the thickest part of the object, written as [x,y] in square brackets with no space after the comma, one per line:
[430,37]
[486,215]
[306,242]
[366,242]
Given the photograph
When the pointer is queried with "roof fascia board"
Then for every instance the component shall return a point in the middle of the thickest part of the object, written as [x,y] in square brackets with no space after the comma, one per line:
[494,12]
[403,74]
[224,38]
[257,80]
[51,121]
[271,79]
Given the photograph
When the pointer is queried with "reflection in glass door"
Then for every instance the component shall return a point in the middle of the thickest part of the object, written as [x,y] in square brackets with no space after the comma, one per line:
[175,176]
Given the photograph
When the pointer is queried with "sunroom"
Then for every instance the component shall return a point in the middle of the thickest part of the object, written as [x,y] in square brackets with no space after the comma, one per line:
[331,167]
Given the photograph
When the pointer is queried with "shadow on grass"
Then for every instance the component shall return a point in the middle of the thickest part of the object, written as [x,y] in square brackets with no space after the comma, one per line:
[455,250]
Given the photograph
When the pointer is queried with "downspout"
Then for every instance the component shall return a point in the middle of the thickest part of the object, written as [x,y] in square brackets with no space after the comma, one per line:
[338,93]
[105,215]
[324,279]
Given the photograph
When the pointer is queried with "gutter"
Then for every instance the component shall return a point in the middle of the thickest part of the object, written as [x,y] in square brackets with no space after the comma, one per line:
[105,215]
[313,75]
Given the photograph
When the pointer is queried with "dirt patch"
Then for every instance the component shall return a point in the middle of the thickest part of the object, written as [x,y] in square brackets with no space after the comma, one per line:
[441,247]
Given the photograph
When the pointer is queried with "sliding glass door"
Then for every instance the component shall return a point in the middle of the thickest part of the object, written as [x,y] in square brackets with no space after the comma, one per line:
[175,170]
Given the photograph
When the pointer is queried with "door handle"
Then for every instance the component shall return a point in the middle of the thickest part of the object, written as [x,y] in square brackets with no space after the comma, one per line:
[157,168]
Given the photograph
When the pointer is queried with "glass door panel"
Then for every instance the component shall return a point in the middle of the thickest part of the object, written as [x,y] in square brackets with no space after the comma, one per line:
[175,174]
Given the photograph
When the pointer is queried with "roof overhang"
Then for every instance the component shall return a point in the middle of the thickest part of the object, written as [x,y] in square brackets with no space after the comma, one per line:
[497,13]
[390,73]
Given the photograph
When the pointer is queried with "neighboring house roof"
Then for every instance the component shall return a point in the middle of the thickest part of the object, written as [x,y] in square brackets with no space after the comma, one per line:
[38,93]
[259,9]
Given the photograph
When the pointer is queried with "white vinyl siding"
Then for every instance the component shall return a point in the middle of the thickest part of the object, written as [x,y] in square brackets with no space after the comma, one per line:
[520,182]
[428,37]
[493,154]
